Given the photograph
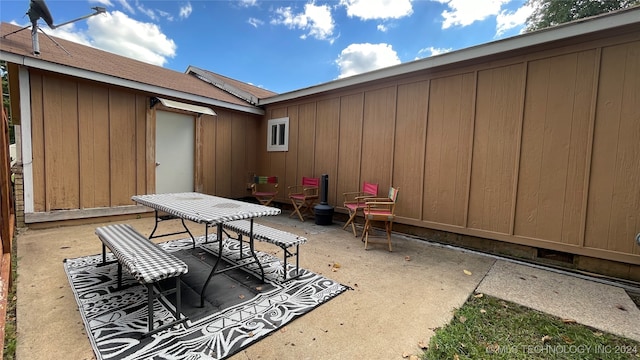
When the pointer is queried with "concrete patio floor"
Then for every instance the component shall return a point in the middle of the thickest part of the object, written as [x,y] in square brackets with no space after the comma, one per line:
[397,301]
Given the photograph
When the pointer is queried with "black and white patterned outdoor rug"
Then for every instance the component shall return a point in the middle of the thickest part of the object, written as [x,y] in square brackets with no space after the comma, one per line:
[239,309]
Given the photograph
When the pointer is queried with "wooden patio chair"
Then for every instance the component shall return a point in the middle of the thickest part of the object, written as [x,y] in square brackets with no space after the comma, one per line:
[304,196]
[355,201]
[264,189]
[380,209]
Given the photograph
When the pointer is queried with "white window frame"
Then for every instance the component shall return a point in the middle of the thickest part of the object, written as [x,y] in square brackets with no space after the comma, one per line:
[277,137]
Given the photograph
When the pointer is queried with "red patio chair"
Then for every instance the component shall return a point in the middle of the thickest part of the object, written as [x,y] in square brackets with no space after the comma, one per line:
[303,196]
[264,189]
[380,209]
[354,201]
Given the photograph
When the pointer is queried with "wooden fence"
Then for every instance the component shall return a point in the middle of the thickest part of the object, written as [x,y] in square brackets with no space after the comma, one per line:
[7,216]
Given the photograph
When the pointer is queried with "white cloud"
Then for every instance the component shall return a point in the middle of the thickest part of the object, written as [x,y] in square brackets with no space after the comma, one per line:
[382,28]
[156,14]
[117,33]
[255,22]
[69,32]
[153,14]
[432,51]
[165,15]
[466,12]
[316,20]
[102,2]
[506,20]
[149,12]
[125,4]
[377,9]
[360,58]
[248,3]
[185,11]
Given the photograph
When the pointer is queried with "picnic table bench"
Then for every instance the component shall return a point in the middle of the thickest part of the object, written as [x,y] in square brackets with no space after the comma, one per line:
[146,262]
[284,240]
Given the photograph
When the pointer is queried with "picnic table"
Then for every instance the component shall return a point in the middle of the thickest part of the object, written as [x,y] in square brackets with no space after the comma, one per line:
[210,211]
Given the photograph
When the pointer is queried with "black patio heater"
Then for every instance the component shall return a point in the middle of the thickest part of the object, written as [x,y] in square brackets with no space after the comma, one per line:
[324,211]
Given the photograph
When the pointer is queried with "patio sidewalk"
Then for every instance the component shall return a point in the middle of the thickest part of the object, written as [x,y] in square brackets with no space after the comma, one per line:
[397,301]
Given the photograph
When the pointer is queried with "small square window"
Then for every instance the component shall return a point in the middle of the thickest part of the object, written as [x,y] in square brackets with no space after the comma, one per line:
[278,134]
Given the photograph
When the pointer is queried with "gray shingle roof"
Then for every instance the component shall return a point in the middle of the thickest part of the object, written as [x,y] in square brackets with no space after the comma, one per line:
[137,73]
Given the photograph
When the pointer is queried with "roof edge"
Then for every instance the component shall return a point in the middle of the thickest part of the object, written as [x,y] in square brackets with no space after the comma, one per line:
[113,80]
[558,32]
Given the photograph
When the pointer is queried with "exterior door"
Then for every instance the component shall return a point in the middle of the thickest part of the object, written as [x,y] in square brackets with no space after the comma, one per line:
[175,148]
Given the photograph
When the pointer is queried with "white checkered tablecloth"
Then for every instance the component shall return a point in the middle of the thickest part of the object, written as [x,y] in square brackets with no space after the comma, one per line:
[203,208]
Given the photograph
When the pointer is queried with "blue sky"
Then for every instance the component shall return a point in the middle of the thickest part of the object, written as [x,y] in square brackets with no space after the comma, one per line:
[280,45]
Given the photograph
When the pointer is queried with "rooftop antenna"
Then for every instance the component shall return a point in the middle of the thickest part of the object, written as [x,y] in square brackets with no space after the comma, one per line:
[38,9]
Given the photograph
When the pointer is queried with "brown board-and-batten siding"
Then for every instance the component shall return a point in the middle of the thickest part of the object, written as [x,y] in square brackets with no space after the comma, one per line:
[93,148]
[613,211]
[225,148]
[538,148]
[95,141]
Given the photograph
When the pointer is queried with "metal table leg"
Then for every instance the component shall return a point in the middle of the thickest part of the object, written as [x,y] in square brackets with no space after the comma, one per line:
[160,219]
[214,270]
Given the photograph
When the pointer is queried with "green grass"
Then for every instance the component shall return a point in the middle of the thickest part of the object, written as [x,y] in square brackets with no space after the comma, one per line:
[490,328]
